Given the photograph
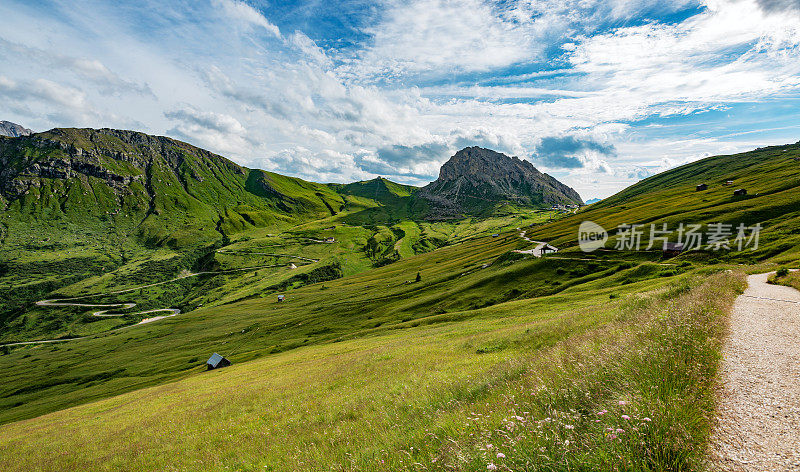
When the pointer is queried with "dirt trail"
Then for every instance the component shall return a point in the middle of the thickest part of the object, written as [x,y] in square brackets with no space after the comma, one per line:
[536,251]
[127,306]
[759,409]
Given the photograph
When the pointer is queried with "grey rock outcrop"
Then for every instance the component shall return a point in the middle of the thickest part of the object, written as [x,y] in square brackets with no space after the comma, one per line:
[476,179]
[13,130]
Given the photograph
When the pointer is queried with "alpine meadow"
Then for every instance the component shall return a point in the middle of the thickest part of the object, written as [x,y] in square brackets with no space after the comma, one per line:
[399,236]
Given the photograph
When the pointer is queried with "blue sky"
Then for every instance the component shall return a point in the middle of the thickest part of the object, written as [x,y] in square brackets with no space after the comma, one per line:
[598,93]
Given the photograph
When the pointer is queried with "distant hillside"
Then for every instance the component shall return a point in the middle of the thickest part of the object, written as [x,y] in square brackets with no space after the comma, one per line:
[378,189]
[13,130]
[476,180]
[770,175]
[164,190]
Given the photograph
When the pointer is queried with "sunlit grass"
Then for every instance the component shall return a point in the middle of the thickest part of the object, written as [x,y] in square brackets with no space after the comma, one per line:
[435,395]
[786,277]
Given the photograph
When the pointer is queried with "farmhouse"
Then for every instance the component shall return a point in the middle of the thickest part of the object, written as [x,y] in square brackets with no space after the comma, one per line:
[740,192]
[281,298]
[702,187]
[216,361]
[547,249]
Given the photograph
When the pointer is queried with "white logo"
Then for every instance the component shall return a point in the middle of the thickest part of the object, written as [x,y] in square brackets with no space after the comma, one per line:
[591,236]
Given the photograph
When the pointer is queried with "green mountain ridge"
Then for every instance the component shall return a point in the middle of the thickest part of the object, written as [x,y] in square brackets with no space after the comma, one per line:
[770,175]
[166,191]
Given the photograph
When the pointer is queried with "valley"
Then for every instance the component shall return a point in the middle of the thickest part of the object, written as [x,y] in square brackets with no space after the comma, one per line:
[399,236]
[411,333]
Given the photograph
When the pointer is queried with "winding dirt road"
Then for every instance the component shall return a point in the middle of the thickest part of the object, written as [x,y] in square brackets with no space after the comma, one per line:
[758,425]
[536,251]
[127,306]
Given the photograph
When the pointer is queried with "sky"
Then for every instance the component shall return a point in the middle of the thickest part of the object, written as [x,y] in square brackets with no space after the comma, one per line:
[597,93]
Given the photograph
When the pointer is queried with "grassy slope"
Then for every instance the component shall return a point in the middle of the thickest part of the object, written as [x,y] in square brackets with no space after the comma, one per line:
[792,279]
[344,307]
[92,265]
[771,176]
[454,285]
[434,395]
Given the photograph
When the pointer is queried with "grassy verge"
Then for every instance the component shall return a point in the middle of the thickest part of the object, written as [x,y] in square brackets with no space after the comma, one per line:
[637,395]
[786,277]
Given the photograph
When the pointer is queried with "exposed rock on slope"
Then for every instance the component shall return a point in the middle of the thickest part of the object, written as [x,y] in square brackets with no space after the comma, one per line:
[476,180]
[13,130]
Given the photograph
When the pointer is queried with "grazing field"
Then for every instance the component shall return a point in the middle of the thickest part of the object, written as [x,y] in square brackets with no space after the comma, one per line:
[770,175]
[37,265]
[576,380]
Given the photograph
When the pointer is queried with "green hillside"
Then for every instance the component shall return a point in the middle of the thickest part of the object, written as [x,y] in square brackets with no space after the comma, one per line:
[378,189]
[91,212]
[770,175]
[402,344]
[378,372]
[162,191]
[81,204]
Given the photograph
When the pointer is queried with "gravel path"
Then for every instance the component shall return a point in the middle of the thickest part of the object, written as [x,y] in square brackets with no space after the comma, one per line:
[759,409]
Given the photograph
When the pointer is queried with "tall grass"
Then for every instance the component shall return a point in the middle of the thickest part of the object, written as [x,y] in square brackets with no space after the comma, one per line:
[636,395]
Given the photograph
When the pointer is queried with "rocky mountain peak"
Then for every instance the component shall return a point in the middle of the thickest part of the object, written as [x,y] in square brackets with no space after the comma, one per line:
[13,130]
[476,180]
[481,163]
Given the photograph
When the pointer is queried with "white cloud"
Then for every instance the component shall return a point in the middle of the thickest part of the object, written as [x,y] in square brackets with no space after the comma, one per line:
[84,68]
[732,51]
[438,36]
[208,119]
[247,15]
[427,80]
[44,90]
[213,130]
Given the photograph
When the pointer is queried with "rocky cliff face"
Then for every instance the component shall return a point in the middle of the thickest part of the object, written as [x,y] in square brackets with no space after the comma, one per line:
[475,180]
[117,157]
[13,130]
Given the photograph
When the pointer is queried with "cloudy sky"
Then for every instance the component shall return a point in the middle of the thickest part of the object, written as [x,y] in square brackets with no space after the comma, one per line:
[598,93]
